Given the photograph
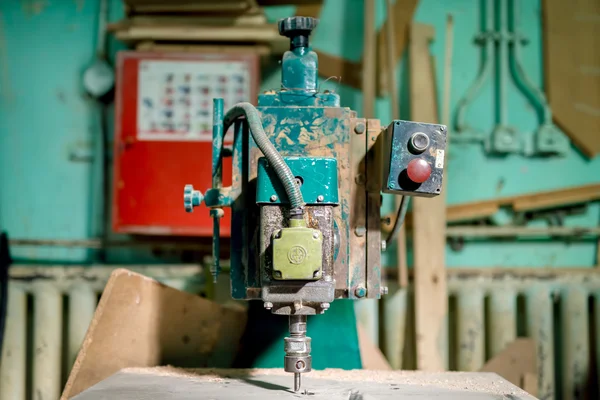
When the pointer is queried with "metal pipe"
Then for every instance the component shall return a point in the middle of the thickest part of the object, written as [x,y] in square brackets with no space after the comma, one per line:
[486,68]
[218,139]
[535,95]
[502,62]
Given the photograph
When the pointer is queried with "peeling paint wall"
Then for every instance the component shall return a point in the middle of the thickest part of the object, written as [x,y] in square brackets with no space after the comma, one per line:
[49,131]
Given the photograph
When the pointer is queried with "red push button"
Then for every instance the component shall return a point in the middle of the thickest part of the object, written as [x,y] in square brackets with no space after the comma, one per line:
[418,170]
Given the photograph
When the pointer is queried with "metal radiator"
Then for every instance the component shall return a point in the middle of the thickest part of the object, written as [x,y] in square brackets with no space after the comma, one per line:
[488,310]
[49,310]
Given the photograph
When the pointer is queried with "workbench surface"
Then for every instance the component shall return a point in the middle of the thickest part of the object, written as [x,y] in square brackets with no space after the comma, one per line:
[169,383]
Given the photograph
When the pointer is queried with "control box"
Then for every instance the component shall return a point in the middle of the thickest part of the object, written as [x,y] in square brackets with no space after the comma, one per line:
[163,135]
[413,158]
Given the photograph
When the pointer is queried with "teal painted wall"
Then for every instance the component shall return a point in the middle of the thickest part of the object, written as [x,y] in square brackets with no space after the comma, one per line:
[49,131]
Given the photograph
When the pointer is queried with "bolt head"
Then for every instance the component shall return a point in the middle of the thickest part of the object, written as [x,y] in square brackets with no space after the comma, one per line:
[320,198]
[315,235]
[273,198]
[360,291]
[360,231]
[300,365]
[359,128]
[268,305]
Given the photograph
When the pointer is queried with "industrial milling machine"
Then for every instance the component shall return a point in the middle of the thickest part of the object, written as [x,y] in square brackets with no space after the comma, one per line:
[306,193]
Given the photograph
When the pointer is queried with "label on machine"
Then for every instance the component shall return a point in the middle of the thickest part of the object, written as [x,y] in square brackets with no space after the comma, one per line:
[175,97]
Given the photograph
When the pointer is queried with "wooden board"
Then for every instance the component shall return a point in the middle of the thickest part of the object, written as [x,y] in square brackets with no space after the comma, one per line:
[429,220]
[186,6]
[525,202]
[266,384]
[516,363]
[400,18]
[572,64]
[142,323]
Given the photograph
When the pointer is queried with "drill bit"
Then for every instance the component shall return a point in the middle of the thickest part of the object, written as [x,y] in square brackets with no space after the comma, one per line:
[297,381]
[297,350]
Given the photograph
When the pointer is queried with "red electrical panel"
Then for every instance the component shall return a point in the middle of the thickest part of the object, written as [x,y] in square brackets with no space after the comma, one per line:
[163,136]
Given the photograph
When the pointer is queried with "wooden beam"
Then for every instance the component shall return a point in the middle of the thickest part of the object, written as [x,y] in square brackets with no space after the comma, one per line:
[398,20]
[309,10]
[524,202]
[572,59]
[368,70]
[431,299]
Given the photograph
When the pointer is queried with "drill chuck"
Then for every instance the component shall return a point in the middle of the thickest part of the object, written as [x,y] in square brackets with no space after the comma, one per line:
[297,349]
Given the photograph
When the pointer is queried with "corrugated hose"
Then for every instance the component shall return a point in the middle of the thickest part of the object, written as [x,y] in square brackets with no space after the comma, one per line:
[288,180]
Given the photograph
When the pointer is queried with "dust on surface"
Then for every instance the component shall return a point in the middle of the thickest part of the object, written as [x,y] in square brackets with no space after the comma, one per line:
[460,381]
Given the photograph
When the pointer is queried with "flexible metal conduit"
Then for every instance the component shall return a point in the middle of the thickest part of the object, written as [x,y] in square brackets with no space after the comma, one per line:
[264,144]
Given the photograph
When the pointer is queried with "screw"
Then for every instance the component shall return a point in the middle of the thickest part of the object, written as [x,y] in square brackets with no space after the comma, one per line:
[360,291]
[320,198]
[273,198]
[316,235]
[297,305]
[384,290]
[360,231]
[300,365]
[383,245]
[359,128]
[268,305]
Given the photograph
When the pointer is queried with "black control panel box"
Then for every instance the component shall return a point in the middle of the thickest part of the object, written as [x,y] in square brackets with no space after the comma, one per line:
[413,158]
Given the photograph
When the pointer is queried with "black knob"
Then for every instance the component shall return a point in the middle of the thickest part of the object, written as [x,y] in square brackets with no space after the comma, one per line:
[297,29]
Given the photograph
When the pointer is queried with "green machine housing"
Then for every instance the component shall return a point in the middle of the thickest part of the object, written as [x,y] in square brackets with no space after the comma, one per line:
[297,263]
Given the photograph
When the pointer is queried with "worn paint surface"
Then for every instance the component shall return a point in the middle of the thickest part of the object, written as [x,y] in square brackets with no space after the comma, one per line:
[318,176]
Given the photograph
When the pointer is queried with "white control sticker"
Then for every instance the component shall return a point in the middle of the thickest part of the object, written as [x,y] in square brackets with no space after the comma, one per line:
[175,97]
[439,159]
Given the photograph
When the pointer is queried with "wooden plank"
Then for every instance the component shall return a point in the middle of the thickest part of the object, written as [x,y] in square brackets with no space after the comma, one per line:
[525,202]
[429,218]
[159,6]
[572,62]
[193,20]
[391,31]
[142,323]
[399,19]
[554,198]
[371,357]
[368,70]
[182,48]
[309,10]
[288,2]
[516,361]
[513,272]
[264,33]
[348,72]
